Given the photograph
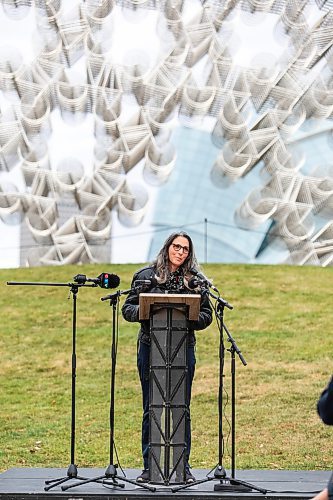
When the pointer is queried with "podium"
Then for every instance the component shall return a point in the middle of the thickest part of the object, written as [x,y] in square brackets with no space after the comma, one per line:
[168,400]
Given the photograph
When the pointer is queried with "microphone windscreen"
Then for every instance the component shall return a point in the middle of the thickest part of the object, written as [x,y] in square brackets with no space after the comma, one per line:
[192,283]
[153,282]
[108,280]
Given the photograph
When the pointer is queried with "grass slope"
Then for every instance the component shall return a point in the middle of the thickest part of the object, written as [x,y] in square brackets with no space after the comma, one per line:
[282,322]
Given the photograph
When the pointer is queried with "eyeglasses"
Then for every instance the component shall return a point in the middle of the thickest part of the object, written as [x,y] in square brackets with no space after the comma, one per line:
[178,248]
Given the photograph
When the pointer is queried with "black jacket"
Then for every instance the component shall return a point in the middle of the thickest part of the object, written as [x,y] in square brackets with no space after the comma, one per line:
[130,309]
[325,404]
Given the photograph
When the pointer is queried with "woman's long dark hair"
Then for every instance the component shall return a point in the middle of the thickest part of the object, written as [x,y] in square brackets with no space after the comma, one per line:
[161,263]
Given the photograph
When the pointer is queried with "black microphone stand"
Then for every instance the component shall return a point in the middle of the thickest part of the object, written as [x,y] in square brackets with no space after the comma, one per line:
[72,471]
[227,484]
[110,476]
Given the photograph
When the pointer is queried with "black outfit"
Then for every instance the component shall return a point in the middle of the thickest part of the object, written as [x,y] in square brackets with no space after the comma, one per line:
[325,411]
[325,404]
[130,311]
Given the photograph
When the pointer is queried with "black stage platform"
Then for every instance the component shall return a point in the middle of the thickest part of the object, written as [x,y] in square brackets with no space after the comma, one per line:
[29,483]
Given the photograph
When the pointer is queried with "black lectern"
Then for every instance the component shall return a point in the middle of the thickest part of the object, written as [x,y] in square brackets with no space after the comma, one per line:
[168,399]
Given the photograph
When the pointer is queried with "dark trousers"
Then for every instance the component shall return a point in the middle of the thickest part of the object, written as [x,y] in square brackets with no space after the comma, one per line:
[143,368]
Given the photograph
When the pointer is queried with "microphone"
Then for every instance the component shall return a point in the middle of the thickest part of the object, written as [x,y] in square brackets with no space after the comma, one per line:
[194,282]
[150,283]
[108,280]
[104,280]
[203,279]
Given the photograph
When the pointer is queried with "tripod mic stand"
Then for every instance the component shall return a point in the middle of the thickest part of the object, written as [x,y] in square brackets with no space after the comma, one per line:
[226,483]
[110,476]
[72,472]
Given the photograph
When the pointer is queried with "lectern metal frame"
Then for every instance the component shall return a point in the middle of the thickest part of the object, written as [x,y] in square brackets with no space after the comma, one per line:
[168,401]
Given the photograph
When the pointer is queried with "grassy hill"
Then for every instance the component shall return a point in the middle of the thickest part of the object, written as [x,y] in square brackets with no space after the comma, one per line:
[282,322]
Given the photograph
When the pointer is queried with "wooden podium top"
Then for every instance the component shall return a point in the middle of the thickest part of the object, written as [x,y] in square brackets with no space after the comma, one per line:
[147,299]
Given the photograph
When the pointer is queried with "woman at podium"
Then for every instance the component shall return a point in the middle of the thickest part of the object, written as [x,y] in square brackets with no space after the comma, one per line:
[170,273]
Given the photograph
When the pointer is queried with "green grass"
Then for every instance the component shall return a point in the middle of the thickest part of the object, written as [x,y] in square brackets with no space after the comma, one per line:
[282,322]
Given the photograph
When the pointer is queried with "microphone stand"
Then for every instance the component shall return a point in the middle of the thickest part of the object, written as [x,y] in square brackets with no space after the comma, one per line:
[72,472]
[110,475]
[227,484]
